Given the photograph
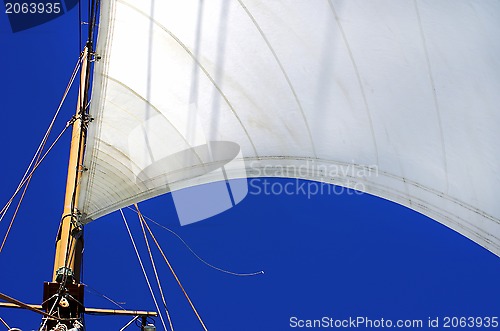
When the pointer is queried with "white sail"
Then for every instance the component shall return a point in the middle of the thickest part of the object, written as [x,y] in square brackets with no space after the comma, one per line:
[399,99]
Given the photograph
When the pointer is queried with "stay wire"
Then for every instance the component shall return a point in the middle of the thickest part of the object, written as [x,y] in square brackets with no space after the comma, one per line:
[196,255]
[103,295]
[45,138]
[142,221]
[27,178]
[14,215]
[27,182]
[176,278]
[5,323]
[143,270]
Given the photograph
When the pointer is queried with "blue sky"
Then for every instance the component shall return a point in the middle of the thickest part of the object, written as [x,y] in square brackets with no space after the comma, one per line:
[331,255]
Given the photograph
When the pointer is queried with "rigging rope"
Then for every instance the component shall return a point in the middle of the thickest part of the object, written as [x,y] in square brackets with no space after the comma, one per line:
[196,255]
[27,181]
[128,324]
[45,138]
[29,174]
[14,215]
[176,278]
[141,219]
[44,320]
[104,296]
[5,323]
[143,270]
[33,309]
[37,158]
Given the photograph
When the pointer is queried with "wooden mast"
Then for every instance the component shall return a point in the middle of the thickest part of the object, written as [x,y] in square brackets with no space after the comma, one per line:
[68,256]
[65,293]
[69,243]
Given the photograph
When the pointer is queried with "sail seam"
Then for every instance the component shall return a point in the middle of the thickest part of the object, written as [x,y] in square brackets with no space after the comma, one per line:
[205,71]
[283,71]
[433,88]
[358,77]
[152,106]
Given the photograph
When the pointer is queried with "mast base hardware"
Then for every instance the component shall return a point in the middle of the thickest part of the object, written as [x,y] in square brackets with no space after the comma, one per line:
[62,327]
[69,302]
[77,326]
[64,271]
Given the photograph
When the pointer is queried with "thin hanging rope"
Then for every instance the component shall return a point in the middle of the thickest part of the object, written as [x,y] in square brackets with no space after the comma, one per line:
[45,138]
[28,180]
[91,289]
[176,278]
[143,270]
[261,272]
[142,221]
